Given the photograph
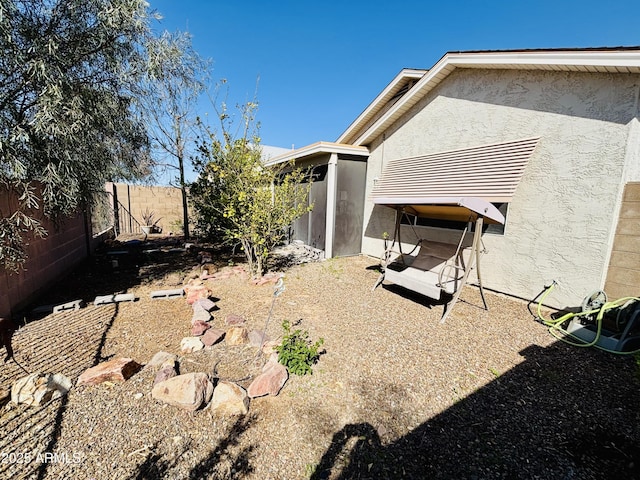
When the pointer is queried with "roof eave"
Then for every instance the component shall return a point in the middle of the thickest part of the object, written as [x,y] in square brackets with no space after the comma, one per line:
[381,99]
[319,148]
[596,61]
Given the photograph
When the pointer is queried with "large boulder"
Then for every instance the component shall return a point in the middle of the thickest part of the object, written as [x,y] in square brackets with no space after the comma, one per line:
[38,388]
[116,370]
[229,399]
[189,391]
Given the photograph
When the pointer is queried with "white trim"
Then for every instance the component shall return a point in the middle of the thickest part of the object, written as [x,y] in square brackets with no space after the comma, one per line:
[317,148]
[332,187]
[390,90]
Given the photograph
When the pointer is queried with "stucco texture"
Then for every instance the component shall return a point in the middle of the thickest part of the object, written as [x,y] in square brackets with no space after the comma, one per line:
[561,219]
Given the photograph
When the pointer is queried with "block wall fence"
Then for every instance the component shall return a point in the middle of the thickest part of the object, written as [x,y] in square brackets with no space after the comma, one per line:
[164,202]
[49,257]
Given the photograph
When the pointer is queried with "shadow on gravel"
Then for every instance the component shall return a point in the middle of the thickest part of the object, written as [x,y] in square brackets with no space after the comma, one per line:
[222,462]
[67,343]
[563,413]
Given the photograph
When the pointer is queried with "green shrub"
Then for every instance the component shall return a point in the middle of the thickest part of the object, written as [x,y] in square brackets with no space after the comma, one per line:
[296,352]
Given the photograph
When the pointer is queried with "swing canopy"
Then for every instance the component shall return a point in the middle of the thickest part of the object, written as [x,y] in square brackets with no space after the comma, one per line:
[461,209]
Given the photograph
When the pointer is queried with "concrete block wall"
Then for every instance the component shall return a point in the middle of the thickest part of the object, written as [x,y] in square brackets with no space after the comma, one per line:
[49,259]
[165,202]
[623,276]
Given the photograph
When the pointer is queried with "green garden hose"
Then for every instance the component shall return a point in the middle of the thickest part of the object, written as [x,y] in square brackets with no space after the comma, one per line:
[556,329]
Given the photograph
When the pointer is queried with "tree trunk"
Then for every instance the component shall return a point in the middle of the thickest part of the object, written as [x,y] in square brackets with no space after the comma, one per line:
[183,188]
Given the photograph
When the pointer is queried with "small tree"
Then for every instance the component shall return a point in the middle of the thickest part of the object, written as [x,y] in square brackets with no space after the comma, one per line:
[175,78]
[238,198]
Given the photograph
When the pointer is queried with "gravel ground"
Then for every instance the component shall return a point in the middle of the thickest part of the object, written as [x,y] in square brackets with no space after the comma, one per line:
[489,394]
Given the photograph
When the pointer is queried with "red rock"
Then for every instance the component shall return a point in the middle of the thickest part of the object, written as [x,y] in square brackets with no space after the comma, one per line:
[199,327]
[116,370]
[165,373]
[196,290]
[270,381]
[234,320]
[212,336]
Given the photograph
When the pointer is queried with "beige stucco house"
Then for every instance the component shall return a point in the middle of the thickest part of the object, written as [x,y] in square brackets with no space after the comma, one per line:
[571,203]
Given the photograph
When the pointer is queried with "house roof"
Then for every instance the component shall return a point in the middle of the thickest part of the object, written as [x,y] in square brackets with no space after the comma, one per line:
[386,108]
[317,149]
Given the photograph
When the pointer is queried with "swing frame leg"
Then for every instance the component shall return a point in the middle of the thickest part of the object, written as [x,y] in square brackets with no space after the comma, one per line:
[475,255]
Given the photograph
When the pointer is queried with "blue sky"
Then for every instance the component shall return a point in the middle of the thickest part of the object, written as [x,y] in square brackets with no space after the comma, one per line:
[321,63]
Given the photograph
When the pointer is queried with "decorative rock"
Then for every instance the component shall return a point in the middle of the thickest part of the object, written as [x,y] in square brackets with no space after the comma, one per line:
[257,338]
[219,275]
[270,381]
[212,336]
[196,292]
[230,399]
[199,327]
[205,303]
[199,313]
[234,320]
[191,344]
[37,389]
[236,336]
[161,358]
[189,391]
[165,373]
[116,370]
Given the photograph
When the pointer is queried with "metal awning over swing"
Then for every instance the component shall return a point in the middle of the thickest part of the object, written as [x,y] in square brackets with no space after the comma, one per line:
[456,185]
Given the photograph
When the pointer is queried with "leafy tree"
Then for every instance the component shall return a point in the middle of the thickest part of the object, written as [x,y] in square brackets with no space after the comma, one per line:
[69,70]
[237,197]
[176,77]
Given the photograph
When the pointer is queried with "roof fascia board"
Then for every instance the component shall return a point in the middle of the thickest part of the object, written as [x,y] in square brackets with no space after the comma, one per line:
[380,100]
[450,61]
[316,148]
[569,58]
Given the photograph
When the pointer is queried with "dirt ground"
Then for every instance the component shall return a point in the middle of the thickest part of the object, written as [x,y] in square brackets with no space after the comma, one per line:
[489,394]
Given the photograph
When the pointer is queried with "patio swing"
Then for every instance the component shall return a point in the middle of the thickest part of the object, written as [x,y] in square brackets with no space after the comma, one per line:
[433,268]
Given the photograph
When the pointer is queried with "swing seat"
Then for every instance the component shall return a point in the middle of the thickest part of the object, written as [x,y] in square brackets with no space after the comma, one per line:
[434,269]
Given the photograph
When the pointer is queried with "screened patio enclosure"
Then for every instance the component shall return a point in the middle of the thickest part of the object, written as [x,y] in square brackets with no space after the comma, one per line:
[337,193]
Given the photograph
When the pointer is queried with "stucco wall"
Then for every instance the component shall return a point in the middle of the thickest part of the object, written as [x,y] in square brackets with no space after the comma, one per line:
[561,221]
